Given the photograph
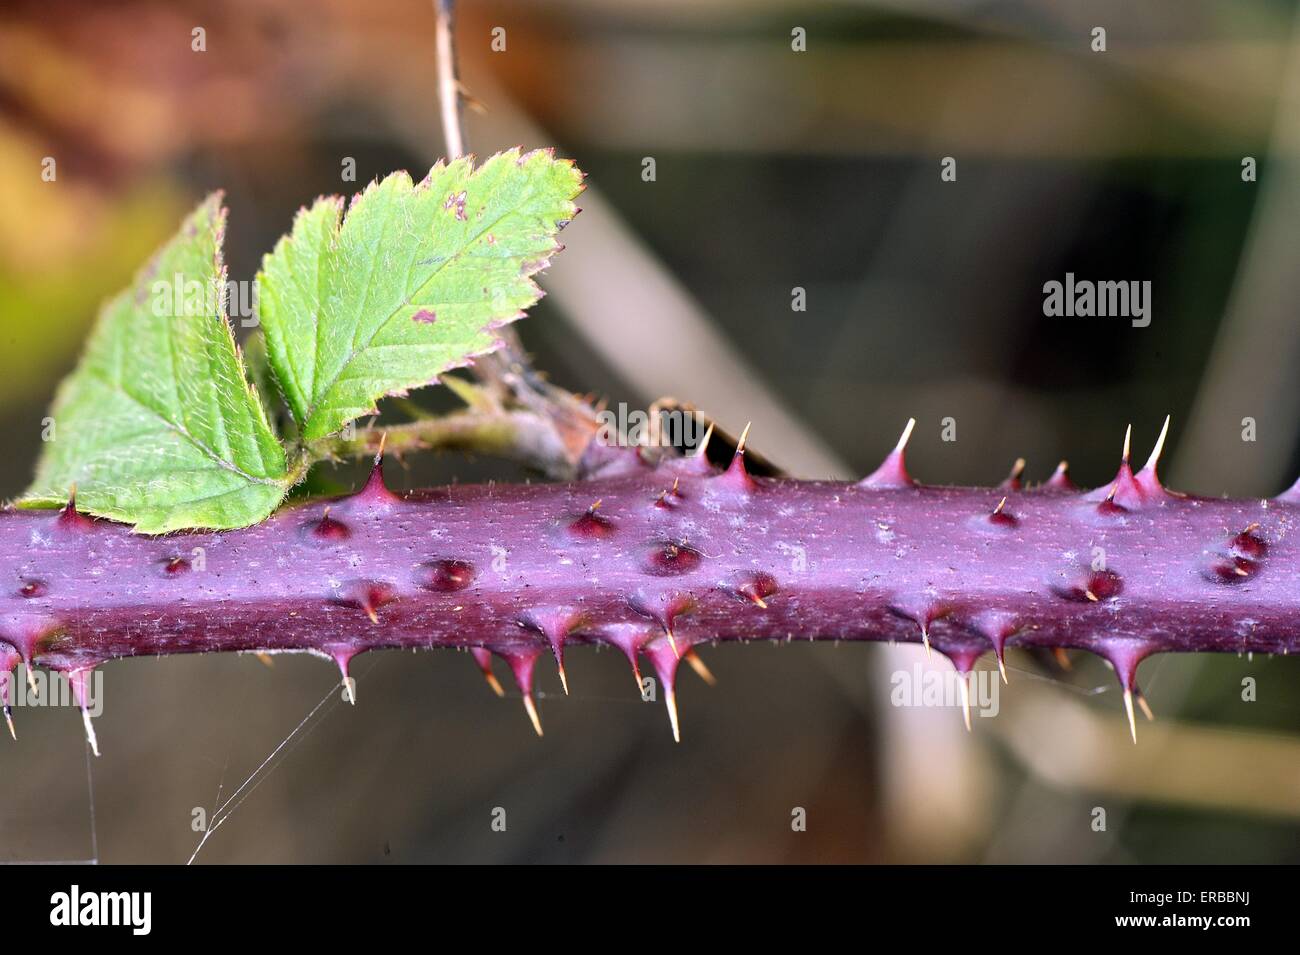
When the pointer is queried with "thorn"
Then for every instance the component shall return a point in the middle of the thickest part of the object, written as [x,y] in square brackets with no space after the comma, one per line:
[892,472]
[9,721]
[1124,655]
[744,436]
[629,638]
[925,639]
[1060,479]
[906,436]
[349,685]
[736,476]
[1128,440]
[90,731]
[1160,446]
[665,665]
[555,623]
[78,680]
[1144,705]
[376,490]
[998,627]
[1012,482]
[31,681]
[1090,595]
[69,516]
[484,660]
[670,700]
[703,451]
[1128,709]
[1062,658]
[370,612]
[521,665]
[699,666]
[964,684]
[672,642]
[531,709]
[1001,518]
[266,659]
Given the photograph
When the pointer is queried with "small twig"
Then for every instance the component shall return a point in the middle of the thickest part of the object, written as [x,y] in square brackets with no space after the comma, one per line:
[453,130]
[554,426]
[520,436]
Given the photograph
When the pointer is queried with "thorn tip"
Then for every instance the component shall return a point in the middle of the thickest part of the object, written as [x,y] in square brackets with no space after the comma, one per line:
[90,731]
[699,666]
[670,700]
[1128,710]
[1160,446]
[531,708]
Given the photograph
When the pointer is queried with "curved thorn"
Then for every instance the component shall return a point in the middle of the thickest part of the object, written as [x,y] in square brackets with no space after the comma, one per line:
[1160,446]
[892,472]
[744,435]
[9,721]
[1128,440]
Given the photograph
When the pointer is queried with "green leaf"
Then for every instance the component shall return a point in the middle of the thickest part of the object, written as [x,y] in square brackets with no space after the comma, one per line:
[411,283]
[158,425]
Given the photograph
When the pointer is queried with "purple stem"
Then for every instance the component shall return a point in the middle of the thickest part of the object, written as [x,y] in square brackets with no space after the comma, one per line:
[657,559]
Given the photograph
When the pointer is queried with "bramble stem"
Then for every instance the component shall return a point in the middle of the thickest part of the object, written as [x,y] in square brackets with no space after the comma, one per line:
[658,559]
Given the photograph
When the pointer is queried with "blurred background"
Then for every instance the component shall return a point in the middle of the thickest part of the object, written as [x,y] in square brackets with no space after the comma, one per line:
[775,169]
